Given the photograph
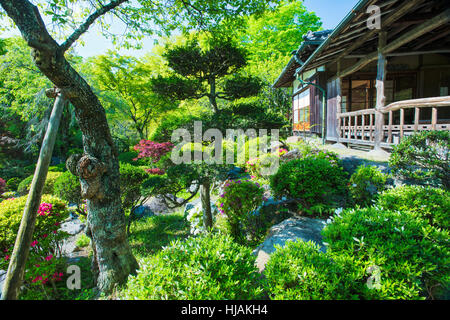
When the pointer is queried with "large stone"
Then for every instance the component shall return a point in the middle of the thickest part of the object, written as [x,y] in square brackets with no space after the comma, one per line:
[158,206]
[291,155]
[293,139]
[73,227]
[293,229]
[143,212]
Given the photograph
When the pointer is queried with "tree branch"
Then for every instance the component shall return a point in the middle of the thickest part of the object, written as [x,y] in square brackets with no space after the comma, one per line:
[89,21]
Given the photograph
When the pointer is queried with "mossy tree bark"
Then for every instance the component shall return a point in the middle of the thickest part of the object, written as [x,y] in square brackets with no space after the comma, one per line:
[98,167]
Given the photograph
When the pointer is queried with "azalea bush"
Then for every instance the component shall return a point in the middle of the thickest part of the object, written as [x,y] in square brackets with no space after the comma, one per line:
[424,158]
[366,183]
[238,203]
[262,167]
[300,271]
[431,204]
[316,185]
[210,267]
[24,186]
[44,263]
[405,256]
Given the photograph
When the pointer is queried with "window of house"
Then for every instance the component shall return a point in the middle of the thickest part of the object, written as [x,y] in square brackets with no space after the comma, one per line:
[301,105]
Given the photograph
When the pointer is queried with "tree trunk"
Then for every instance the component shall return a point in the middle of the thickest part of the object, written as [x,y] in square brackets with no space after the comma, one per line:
[98,168]
[212,94]
[206,205]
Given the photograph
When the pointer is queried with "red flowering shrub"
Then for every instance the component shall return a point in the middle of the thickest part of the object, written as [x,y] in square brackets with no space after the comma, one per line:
[2,185]
[155,171]
[153,150]
[43,264]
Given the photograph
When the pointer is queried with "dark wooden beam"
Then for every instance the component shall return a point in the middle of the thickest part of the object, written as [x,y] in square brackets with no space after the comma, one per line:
[436,37]
[415,33]
[400,11]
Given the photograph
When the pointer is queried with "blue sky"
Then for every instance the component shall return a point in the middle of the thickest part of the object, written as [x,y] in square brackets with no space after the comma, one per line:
[330,11]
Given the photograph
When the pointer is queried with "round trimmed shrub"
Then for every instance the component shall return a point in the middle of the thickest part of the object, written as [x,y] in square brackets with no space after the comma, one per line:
[431,204]
[411,255]
[13,184]
[68,188]
[317,186]
[211,267]
[239,202]
[24,186]
[300,271]
[366,183]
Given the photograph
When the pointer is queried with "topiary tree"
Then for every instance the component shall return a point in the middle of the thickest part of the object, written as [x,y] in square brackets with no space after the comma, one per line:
[67,187]
[197,73]
[366,183]
[423,157]
[316,185]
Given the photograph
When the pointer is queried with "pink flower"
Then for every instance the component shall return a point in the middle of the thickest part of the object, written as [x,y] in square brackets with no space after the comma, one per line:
[34,243]
[7,257]
[45,236]
[49,257]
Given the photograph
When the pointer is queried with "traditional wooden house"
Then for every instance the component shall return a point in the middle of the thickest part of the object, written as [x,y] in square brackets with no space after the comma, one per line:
[381,74]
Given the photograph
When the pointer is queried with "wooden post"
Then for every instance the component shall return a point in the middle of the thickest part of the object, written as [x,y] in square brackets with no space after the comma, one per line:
[434,117]
[381,98]
[19,257]
[391,119]
[416,118]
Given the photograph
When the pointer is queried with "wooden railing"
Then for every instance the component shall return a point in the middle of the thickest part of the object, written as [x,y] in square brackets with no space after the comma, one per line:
[358,127]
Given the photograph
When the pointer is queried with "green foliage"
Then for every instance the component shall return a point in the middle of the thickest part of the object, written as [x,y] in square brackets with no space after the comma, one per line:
[411,255]
[366,183]
[83,241]
[315,184]
[239,202]
[197,72]
[58,168]
[169,124]
[211,267]
[423,157]
[300,271]
[131,178]
[429,203]
[24,186]
[67,187]
[47,238]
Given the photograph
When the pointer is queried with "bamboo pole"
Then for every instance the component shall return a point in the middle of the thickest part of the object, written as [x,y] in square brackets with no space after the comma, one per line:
[16,268]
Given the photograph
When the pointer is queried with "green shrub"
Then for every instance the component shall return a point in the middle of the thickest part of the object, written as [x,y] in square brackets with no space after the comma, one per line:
[423,157]
[83,241]
[67,187]
[429,203]
[43,262]
[58,168]
[315,184]
[239,202]
[128,157]
[131,179]
[13,184]
[300,271]
[330,156]
[262,167]
[24,186]
[412,257]
[366,183]
[210,267]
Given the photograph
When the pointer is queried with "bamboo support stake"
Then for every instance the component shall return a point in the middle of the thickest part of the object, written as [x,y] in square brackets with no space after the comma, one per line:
[19,256]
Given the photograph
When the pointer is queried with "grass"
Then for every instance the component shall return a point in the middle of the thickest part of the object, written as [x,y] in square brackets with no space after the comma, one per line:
[149,236]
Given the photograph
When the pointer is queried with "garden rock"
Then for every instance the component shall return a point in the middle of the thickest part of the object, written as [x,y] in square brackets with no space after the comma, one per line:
[293,229]
[293,139]
[291,155]
[143,212]
[73,227]
[158,206]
